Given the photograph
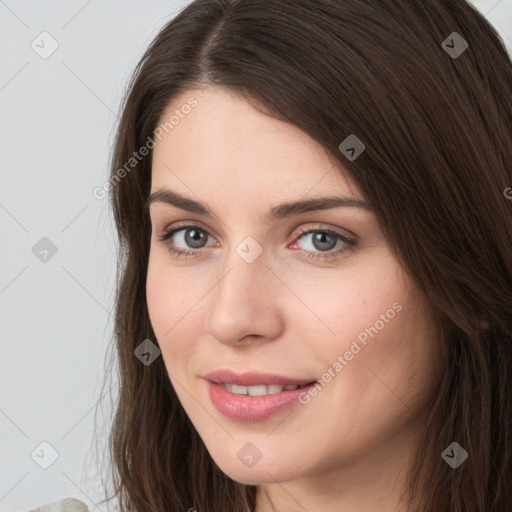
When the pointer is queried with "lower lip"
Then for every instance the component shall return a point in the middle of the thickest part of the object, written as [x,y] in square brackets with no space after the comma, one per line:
[252,408]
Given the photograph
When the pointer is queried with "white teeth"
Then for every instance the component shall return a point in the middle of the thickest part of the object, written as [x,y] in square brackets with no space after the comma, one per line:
[239,390]
[273,389]
[259,390]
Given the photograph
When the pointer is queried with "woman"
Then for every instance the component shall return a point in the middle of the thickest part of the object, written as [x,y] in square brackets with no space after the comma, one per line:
[310,194]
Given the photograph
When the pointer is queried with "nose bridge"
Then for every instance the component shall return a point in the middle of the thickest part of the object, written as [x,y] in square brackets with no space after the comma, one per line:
[243,272]
[240,304]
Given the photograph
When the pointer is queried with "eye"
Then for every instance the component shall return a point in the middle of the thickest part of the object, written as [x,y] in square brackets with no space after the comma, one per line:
[191,240]
[324,240]
[193,236]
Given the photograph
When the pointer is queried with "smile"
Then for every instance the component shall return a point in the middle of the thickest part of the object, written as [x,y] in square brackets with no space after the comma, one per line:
[253,403]
[259,390]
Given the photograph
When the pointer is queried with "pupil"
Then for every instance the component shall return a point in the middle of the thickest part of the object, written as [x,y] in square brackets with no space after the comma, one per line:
[319,241]
[195,239]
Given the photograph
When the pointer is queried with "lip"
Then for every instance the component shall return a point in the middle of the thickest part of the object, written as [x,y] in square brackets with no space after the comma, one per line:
[251,408]
[254,378]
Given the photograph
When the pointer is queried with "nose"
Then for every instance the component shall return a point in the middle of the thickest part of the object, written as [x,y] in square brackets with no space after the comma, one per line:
[245,304]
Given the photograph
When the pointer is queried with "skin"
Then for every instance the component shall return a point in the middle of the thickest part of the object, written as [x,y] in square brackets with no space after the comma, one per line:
[348,448]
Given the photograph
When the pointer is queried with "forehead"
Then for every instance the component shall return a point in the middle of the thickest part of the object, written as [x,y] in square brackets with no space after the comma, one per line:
[223,140]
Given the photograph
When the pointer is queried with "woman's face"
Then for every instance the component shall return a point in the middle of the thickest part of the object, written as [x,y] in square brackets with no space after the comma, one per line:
[305,295]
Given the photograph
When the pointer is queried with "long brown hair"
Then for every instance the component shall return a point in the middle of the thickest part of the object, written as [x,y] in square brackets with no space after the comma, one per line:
[426,85]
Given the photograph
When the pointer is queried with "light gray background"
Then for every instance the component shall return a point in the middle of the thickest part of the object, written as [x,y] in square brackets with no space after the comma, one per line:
[57,119]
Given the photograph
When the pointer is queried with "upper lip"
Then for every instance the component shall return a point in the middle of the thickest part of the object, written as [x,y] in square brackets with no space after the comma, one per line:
[254,378]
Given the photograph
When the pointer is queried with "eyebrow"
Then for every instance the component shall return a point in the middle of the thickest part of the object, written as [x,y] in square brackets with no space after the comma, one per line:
[279,211]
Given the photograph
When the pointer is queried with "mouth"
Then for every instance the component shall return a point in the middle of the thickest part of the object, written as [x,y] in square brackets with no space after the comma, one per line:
[261,389]
[255,402]
[254,396]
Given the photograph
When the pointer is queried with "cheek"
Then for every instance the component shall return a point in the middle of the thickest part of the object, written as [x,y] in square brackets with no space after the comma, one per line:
[170,302]
[381,338]
[394,368]
[170,292]
[348,305]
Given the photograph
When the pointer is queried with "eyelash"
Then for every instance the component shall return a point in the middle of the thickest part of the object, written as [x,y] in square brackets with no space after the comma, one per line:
[326,255]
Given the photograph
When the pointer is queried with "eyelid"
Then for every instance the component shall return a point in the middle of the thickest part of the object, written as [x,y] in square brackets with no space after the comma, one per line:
[178,226]
[319,226]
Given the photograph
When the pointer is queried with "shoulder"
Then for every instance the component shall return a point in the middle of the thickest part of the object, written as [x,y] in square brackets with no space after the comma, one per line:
[65,505]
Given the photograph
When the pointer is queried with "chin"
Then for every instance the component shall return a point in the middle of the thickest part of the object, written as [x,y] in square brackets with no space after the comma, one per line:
[253,476]
[260,473]
[248,478]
